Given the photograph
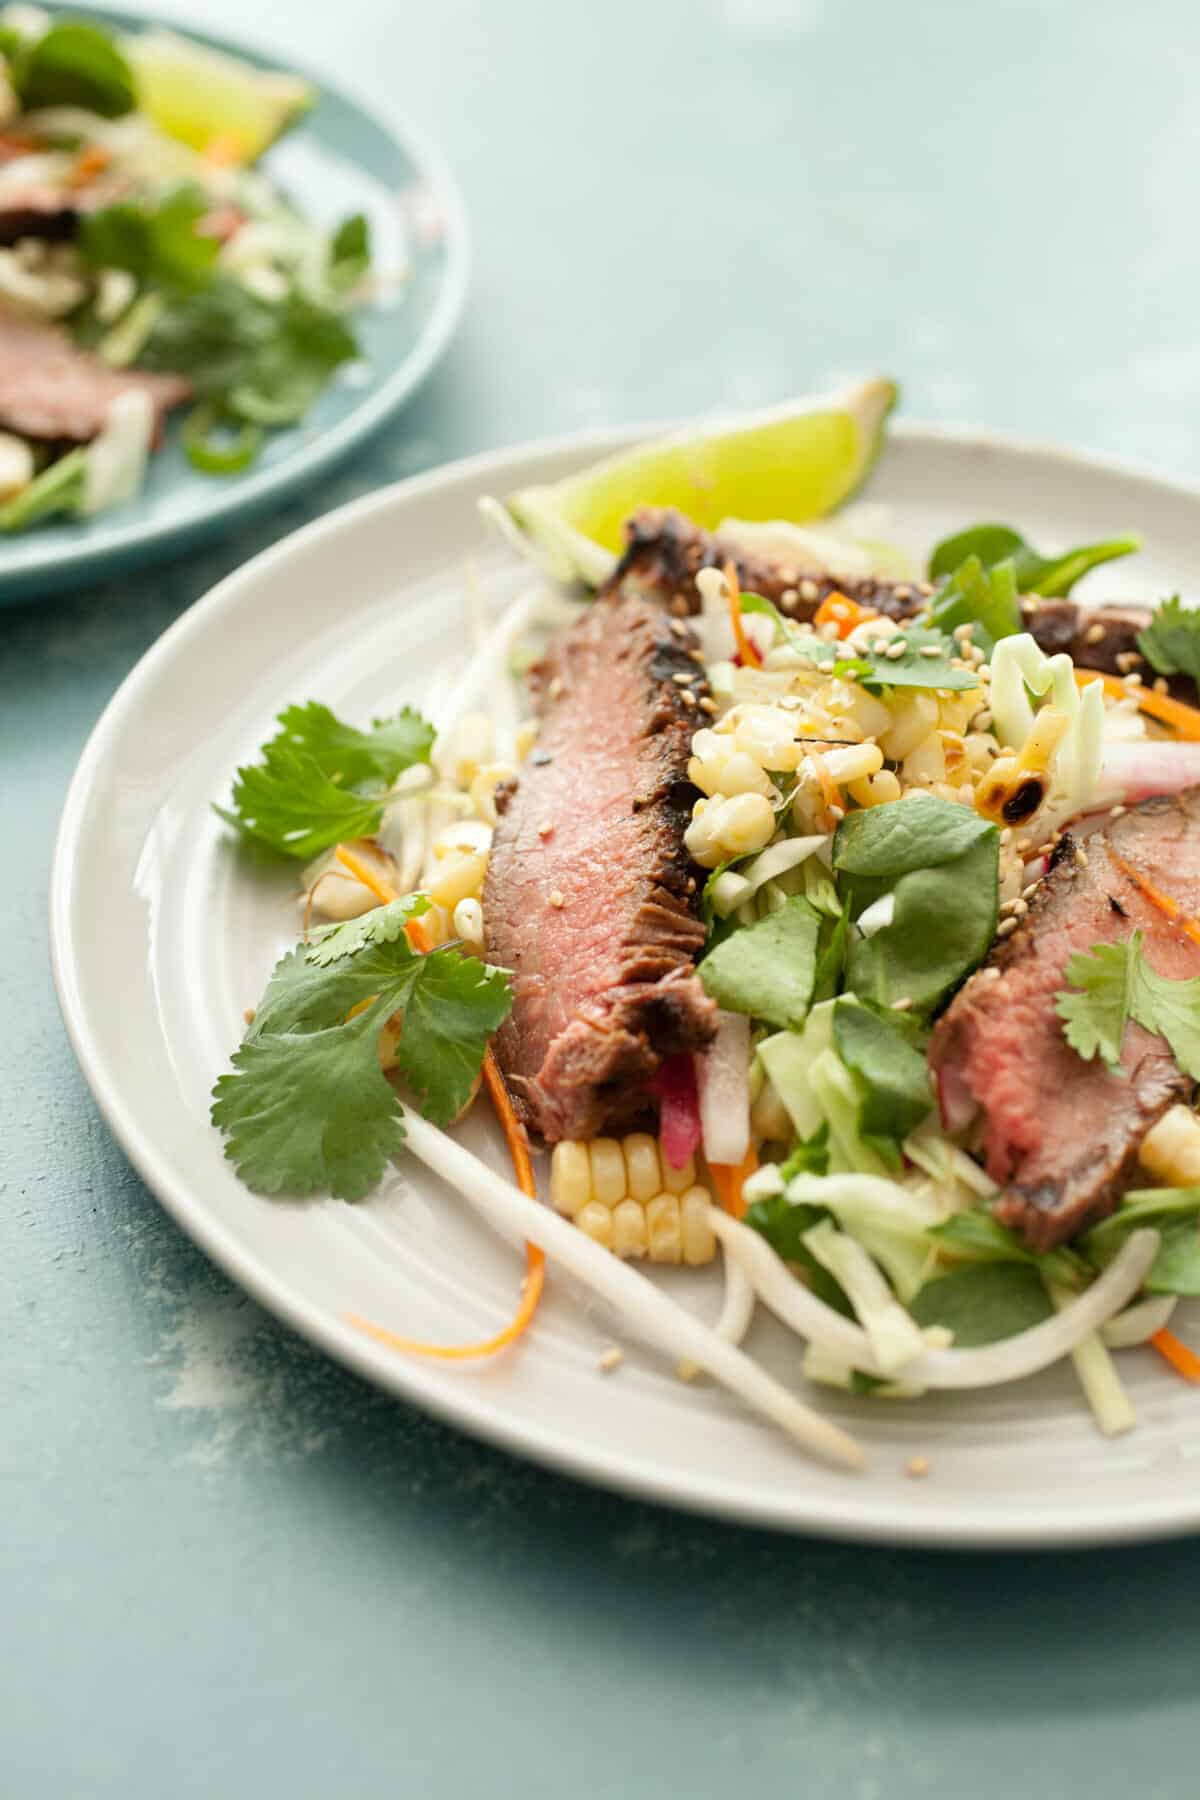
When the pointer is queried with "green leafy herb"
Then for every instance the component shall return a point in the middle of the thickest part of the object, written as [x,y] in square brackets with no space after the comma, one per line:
[767,969]
[1175,1213]
[784,1226]
[349,254]
[875,670]
[831,953]
[307,1107]
[892,1076]
[158,242]
[810,1156]
[984,1302]
[321,781]
[1171,641]
[977,1236]
[73,64]
[1114,984]
[58,489]
[941,862]
[1050,576]
[985,598]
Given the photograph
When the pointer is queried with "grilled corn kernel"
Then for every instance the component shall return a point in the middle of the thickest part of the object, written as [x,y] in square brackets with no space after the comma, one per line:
[914,716]
[677,1181]
[698,1244]
[875,790]
[766,734]
[468,923]
[483,789]
[663,1233]
[740,774]
[1171,1149]
[643,1177]
[570,1177]
[462,838]
[854,762]
[458,878]
[629,1229]
[596,1222]
[608,1170]
[472,744]
[926,763]
[730,827]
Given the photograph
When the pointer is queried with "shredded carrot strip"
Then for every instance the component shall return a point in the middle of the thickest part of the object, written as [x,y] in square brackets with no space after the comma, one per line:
[89,163]
[840,610]
[1190,927]
[350,859]
[746,650]
[419,937]
[729,1181]
[1184,720]
[1184,1361]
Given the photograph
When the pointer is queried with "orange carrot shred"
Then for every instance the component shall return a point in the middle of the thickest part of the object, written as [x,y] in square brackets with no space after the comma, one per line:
[1184,1361]
[350,859]
[840,610]
[729,1180]
[1183,719]
[745,648]
[1190,927]
[87,165]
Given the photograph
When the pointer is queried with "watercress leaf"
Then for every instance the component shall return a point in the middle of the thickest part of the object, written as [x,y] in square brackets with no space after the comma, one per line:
[349,253]
[1171,641]
[767,969]
[986,599]
[784,1226]
[917,832]
[306,1112]
[1176,1268]
[74,64]
[1175,1213]
[1095,1016]
[984,1302]
[1051,576]
[808,1156]
[941,929]
[158,241]
[892,1076]
[831,954]
[976,1235]
[989,544]
[453,1007]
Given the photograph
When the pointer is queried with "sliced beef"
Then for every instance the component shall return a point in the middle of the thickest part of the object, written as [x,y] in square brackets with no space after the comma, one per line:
[53,391]
[1061,1135]
[665,552]
[590,898]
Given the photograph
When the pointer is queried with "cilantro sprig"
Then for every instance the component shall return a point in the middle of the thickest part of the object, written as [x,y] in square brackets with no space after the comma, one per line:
[915,666]
[321,781]
[1114,983]
[307,1107]
[1171,641]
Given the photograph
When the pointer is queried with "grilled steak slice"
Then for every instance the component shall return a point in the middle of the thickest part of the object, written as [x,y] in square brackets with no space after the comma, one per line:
[52,391]
[665,552]
[1061,1134]
[590,897]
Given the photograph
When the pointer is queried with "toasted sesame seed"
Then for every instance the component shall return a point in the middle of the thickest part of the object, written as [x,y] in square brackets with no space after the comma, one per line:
[982,720]
[687,696]
[788,597]
[1132,682]
[837,814]
[681,679]
[1006,835]
[1093,634]
[1023,846]
[1007,906]
[249,1015]
[879,646]
[829,633]
[930,650]
[1081,857]
[556,898]
[924,587]
[556,687]
[1127,659]
[1027,893]
[610,1359]
[1020,908]
[707,703]
[917,1467]
[903,1004]
[1006,927]
[984,672]
[809,590]
[691,884]
[545,828]
[962,634]
[678,627]
[904,593]
[1161,684]
[1117,812]
[896,651]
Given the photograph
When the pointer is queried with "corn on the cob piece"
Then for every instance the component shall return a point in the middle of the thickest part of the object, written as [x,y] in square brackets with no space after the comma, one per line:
[626,1196]
[1171,1149]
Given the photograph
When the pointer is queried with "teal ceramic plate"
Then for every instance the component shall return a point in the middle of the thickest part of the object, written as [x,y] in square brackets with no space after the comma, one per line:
[339,159]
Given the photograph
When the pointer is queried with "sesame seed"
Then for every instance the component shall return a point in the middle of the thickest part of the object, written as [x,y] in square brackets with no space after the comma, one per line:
[1093,634]
[962,634]
[691,884]
[788,597]
[903,1004]
[1161,684]
[1117,812]
[917,1467]
[1006,835]
[610,1359]
[904,593]
[707,703]
[837,814]
[788,573]
[829,633]
[688,697]
[896,650]
[681,679]
[1008,906]
[1027,893]
[1133,681]
[556,898]
[249,1015]
[1020,908]
[879,646]
[1006,927]
[1081,857]
[556,687]
[1023,846]
[982,720]
[545,828]
[1126,660]
[809,590]
[984,672]
[924,587]
[678,627]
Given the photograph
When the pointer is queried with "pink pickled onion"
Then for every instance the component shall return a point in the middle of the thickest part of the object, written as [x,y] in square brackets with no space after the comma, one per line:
[678,1109]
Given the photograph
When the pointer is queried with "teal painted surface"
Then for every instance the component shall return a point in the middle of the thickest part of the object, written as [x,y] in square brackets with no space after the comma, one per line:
[227,1567]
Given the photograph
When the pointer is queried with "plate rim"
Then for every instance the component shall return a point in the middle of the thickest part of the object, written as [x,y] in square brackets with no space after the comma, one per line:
[859,1517]
[69,571]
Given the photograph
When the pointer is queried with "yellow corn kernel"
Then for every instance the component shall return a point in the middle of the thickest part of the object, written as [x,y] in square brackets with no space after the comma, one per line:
[472,743]
[677,1181]
[629,1229]
[663,1228]
[1171,1149]
[483,789]
[643,1178]
[853,762]
[914,716]
[608,1170]
[462,838]
[925,764]
[954,753]
[458,878]
[525,737]
[699,1244]
[875,790]
[570,1177]
[468,923]
[596,1222]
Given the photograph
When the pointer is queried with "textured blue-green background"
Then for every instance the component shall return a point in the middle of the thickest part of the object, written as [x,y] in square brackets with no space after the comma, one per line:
[226,1567]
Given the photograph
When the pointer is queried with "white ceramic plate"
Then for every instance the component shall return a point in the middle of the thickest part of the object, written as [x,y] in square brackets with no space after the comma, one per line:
[162,934]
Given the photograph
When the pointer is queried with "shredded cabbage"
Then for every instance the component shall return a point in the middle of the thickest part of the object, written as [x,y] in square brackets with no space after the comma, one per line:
[1017,665]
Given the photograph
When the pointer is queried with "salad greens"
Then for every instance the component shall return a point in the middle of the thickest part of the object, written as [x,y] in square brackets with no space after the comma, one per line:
[874,669]
[158,242]
[890,1073]
[308,1107]
[1113,983]
[1050,576]
[71,64]
[320,781]
[1175,1212]
[767,969]
[984,597]
[1171,641]
[984,1302]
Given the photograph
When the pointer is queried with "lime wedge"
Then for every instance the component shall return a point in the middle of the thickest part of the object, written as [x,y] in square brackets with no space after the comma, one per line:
[210,100]
[795,462]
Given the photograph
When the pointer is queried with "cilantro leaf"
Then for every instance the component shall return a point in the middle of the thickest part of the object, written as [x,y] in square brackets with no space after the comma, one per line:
[1171,641]
[1171,1008]
[306,1106]
[1051,576]
[382,925]
[321,781]
[157,242]
[307,1112]
[875,670]
[74,64]
[1095,1017]
[767,969]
